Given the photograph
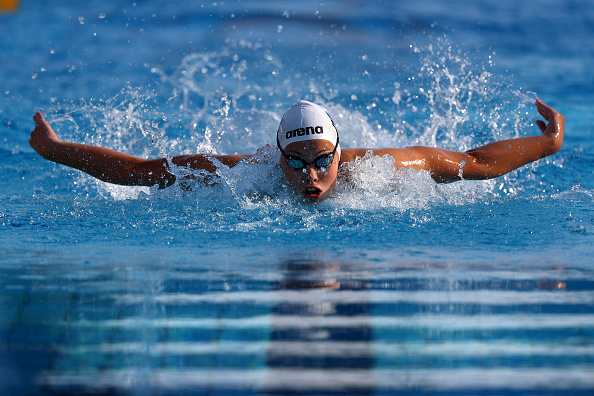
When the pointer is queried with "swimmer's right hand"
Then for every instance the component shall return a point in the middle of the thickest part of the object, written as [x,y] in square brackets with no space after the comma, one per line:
[43,138]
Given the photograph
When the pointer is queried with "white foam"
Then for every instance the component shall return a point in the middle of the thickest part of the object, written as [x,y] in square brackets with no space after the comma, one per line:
[451,103]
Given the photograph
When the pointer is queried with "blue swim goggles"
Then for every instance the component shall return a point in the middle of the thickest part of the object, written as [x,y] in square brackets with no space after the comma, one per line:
[296,163]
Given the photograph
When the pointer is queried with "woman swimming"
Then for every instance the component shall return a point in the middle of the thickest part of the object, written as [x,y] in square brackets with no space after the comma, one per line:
[311,154]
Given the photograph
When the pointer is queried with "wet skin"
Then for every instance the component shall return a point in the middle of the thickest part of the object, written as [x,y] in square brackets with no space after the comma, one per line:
[312,183]
[480,163]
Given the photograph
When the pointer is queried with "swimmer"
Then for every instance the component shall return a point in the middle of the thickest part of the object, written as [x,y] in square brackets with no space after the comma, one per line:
[310,154]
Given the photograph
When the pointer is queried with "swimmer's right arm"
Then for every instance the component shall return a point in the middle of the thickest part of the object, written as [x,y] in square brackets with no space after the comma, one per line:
[114,166]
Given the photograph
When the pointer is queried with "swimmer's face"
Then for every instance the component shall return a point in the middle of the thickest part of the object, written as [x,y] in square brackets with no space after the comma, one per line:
[311,182]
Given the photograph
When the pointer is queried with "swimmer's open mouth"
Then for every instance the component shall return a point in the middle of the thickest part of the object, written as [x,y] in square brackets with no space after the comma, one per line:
[312,192]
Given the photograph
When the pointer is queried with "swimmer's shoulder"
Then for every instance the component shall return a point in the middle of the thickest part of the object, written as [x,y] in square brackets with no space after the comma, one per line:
[350,154]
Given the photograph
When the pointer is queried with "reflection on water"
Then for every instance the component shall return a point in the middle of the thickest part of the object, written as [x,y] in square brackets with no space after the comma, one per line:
[312,336]
[300,326]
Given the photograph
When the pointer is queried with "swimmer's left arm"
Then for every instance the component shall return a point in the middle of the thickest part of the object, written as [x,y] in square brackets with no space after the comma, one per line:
[489,161]
[498,158]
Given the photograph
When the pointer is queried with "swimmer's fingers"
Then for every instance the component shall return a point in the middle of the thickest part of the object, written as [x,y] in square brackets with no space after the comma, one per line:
[43,128]
[541,125]
[43,136]
[38,117]
[555,119]
[543,109]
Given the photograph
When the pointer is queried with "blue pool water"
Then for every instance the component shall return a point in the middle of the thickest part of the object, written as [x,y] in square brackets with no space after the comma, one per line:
[395,285]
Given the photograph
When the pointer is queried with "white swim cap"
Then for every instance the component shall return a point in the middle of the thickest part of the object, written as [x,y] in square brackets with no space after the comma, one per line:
[306,121]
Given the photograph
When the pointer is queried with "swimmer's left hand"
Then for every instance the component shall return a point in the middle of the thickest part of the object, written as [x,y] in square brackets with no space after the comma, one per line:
[556,123]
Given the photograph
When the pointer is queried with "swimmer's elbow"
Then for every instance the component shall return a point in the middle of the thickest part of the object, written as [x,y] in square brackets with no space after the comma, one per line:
[483,171]
[471,168]
[146,173]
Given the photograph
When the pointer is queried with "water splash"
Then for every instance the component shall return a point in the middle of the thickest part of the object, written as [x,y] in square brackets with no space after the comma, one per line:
[226,102]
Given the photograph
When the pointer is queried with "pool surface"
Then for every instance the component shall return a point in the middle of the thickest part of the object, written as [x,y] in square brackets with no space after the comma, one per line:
[395,285]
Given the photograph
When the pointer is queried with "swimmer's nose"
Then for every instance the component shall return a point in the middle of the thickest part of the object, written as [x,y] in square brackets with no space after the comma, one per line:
[311,172]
